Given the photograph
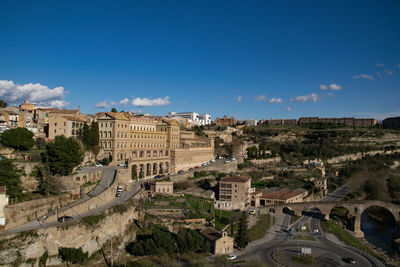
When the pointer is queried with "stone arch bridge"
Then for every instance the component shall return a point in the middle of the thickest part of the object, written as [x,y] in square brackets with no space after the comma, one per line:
[355,208]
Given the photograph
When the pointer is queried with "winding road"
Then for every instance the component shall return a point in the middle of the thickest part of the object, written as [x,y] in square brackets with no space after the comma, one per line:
[281,245]
[106,181]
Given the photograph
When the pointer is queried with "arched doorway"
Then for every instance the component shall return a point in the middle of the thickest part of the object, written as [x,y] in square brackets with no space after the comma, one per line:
[342,215]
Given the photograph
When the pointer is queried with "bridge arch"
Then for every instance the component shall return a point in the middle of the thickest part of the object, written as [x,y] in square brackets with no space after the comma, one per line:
[287,210]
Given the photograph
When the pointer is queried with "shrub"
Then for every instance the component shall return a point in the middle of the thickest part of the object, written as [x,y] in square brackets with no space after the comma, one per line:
[73,255]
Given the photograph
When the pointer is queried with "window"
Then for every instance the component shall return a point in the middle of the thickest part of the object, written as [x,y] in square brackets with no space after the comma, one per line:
[65,124]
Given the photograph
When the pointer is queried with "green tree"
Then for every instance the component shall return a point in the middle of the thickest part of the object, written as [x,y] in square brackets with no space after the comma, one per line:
[242,237]
[63,155]
[73,255]
[94,134]
[40,143]
[189,240]
[18,138]
[46,184]
[114,110]
[43,259]
[86,136]
[134,172]
[3,104]
[9,176]
[252,152]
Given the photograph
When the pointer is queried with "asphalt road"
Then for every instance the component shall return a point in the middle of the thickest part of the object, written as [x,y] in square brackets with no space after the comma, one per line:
[106,180]
[277,251]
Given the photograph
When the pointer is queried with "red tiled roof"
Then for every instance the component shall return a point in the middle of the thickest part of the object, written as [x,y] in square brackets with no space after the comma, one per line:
[2,189]
[211,233]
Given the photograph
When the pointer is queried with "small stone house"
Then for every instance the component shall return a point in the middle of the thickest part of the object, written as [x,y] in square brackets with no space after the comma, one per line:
[166,187]
[221,243]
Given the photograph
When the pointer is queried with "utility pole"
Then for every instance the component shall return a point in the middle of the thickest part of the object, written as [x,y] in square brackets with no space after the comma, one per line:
[179,255]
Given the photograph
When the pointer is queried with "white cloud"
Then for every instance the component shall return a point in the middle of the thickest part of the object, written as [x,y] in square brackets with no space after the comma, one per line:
[275,100]
[331,94]
[146,102]
[183,103]
[323,87]
[379,64]
[259,98]
[239,98]
[36,93]
[123,102]
[102,104]
[335,87]
[389,72]
[379,75]
[365,76]
[288,108]
[306,98]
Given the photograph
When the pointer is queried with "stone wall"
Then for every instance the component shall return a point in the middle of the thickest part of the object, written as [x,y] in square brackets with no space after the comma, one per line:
[183,159]
[20,213]
[29,183]
[122,178]
[266,161]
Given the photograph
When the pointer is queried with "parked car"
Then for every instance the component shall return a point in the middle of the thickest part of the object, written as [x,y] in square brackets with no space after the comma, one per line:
[232,257]
[121,165]
[120,188]
[190,169]
[213,160]
[196,167]
[64,218]
[98,165]
[350,260]
[118,194]
[157,176]
[204,164]
[252,212]
[180,172]
[233,159]
[228,161]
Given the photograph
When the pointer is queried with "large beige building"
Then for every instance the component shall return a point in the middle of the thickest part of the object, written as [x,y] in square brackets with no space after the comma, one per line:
[234,193]
[151,146]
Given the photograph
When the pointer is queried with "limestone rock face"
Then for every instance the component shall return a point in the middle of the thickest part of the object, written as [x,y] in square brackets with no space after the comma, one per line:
[89,238]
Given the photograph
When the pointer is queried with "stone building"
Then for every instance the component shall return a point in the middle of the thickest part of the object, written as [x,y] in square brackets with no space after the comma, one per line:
[272,196]
[351,122]
[234,193]
[28,107]
[65,125]
[164,187]
[279,122]
[225,121]
[391,122]
[151,146]
[221,243]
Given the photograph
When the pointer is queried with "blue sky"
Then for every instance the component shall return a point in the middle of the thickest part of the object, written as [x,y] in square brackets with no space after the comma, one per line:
[248,59]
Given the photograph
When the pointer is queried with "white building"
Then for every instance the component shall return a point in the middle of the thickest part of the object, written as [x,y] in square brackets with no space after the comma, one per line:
[3,203]
[193,117]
